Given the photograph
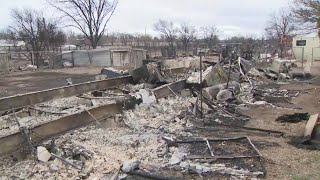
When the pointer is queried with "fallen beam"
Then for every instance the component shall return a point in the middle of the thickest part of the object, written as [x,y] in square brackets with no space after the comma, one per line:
[15,142]
[309,128]
[168,89]
[18,101]
[248,128]
[200,141]
[222,157]
[147,175]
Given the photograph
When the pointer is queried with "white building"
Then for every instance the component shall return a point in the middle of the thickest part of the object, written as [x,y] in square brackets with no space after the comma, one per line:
[306,47]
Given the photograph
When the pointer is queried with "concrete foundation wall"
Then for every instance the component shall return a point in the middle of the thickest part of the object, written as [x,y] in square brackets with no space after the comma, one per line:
[120,58]
[175,64]
[81,58]
[103,57]
[100,58]
[137,56]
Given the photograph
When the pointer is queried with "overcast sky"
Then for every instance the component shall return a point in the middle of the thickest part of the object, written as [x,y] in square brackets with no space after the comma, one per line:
[232,17]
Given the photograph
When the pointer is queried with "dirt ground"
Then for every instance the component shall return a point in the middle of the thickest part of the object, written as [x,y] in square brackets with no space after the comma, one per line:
[285,158]
[23,82]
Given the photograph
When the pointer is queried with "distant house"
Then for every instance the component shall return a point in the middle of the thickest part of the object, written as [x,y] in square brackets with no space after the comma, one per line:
[68,47]
[7,45]
[306,47]
[111,56]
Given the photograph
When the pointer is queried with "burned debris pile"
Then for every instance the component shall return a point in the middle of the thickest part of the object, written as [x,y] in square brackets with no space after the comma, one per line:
[177,119]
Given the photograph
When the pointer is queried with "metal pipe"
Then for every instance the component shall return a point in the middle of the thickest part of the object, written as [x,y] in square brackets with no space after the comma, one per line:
[201,85]
[229,74]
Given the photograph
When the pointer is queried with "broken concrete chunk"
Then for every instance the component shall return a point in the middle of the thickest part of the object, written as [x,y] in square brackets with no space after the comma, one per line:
[43,154]
[224,95]
[67,64]
[256,73]
[111,72]
[194,78]
[279,66]
[31,67]
[177,156]
[69,81]
[147,96]
[214,75]
[130,165]
[283,76]
[212,92]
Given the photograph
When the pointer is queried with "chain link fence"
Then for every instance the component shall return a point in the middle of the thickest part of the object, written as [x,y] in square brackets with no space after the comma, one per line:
[4,63]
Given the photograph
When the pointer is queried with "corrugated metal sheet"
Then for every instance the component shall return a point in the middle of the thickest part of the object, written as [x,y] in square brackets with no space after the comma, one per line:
[81,58]
[100,58]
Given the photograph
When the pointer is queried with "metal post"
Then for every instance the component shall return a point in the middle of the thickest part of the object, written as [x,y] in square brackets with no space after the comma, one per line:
[72,57]
[302,57]
[312,58]
[32,58]
[201,85]
[229,74]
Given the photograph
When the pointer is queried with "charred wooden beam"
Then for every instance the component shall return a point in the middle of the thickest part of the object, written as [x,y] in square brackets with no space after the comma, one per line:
[16,141]
[22,100]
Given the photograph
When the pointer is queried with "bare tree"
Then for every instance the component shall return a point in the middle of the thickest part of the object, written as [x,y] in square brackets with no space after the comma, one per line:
[4,34]
[89,16]
[187,35]
[10,36]
[167,31]
[307,13]
[210,36]
[125,39]
[112,38]
[280,26]
[38,33]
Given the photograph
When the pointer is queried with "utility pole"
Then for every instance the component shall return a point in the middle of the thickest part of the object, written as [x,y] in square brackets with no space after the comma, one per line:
[145,36]
[46,34]
[201,84]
